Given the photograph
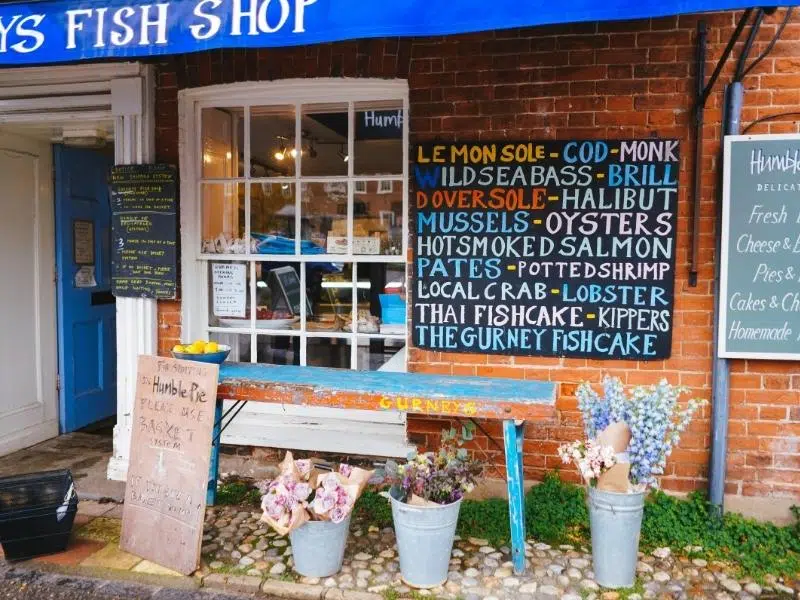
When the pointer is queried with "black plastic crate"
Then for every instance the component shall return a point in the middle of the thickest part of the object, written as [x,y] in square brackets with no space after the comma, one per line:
[36,513]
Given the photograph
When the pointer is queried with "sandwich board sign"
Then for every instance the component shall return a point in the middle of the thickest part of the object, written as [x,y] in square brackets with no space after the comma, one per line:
[165,496]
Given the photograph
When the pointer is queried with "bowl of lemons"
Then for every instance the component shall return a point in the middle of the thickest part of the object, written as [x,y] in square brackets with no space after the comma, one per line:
[202,351]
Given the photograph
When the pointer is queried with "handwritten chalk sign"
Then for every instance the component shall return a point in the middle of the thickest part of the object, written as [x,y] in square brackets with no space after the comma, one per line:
[551,248]
[760,275]
[165,496]
[144,231]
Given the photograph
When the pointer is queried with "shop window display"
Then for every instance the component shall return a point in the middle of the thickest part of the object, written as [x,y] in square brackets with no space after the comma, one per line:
[304,231]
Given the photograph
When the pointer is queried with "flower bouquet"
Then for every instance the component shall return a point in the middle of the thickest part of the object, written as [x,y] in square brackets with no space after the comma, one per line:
[629,437]
[314,508]
[426,498]
[628,440]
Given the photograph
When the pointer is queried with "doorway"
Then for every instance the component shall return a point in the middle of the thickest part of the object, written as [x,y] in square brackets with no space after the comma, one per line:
[58,358]
[72,105]
[28,402]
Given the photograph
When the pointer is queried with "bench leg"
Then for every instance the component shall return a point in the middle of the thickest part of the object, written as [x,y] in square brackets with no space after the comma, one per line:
[213,465]
[513,435]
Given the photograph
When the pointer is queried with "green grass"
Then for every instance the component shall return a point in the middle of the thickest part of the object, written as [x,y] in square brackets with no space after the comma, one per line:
[373,509]
[237,493]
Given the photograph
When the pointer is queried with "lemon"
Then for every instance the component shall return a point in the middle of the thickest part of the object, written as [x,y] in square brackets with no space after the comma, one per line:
[211,347]
[197,347]
[177,348]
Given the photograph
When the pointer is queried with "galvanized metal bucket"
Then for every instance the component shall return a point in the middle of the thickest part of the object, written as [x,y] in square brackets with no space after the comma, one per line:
[616,522]
[424,540]
[318,547]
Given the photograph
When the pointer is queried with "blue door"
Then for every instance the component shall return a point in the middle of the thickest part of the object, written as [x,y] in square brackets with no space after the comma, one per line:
[87,364]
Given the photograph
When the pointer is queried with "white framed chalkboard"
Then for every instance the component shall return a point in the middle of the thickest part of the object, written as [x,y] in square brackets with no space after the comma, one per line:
[760,268]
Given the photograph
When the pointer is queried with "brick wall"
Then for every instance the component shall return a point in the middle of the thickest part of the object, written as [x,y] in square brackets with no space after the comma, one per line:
[606,80]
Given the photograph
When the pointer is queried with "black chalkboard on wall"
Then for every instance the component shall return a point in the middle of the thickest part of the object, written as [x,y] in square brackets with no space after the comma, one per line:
[144,231]
[550,248]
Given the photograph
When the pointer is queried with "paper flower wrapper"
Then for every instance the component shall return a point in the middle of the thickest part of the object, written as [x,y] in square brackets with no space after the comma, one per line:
[420,501]
[615,479]
[337,493]
[297,518]
[287,502]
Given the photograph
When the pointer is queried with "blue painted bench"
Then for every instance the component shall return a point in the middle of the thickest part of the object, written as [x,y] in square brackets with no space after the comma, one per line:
[512,401]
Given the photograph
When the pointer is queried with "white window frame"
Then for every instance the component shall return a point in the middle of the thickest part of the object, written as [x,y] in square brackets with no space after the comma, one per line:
[194,263]
[360,187]
[385,186]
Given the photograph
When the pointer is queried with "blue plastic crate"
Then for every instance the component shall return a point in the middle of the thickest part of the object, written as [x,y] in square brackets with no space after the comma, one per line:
[393,309]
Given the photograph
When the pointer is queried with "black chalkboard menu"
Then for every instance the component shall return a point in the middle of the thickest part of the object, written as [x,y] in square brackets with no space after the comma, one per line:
[551,248]
[144,231]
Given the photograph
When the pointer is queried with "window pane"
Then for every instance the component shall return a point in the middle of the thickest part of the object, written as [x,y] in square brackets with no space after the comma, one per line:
[328,352]
[223,142]
[378,146]
[223,218]
[324,212]
[272,217]
[239,343]
[381,355]
[381,298]
[378,217]
[330,291]
[272,152]
[324,129]
[278,350]
[229,294]
[278,295]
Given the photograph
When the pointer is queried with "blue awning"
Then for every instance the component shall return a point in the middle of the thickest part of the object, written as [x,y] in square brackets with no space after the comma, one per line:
[60,31]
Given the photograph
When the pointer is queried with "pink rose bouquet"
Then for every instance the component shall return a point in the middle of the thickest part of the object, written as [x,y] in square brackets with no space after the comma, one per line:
[302,493]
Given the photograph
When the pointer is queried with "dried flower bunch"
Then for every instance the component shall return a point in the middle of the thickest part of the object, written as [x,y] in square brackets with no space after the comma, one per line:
[439,477]
[652,420]
[301,493]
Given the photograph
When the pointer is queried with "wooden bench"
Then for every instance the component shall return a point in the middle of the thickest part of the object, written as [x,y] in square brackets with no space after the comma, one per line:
[512,401]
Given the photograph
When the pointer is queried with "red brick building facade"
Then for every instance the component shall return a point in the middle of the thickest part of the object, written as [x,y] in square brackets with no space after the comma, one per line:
[584,81]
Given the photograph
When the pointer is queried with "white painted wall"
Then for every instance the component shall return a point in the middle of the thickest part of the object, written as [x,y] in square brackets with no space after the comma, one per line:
[28,399]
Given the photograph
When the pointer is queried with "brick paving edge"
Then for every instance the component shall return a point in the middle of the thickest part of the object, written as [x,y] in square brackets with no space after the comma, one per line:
[236,584]
[301,591]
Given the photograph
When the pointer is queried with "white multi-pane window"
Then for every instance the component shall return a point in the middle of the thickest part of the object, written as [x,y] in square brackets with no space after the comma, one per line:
[301,225]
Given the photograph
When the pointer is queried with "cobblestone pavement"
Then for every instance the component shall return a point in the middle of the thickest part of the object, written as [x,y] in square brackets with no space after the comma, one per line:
[236,542]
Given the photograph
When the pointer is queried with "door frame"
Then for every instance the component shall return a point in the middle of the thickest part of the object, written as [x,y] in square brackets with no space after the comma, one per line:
[125,94]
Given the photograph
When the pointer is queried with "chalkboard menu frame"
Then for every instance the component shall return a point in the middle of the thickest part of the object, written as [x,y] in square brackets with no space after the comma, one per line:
[746,195]
[620,172]
[144,226]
